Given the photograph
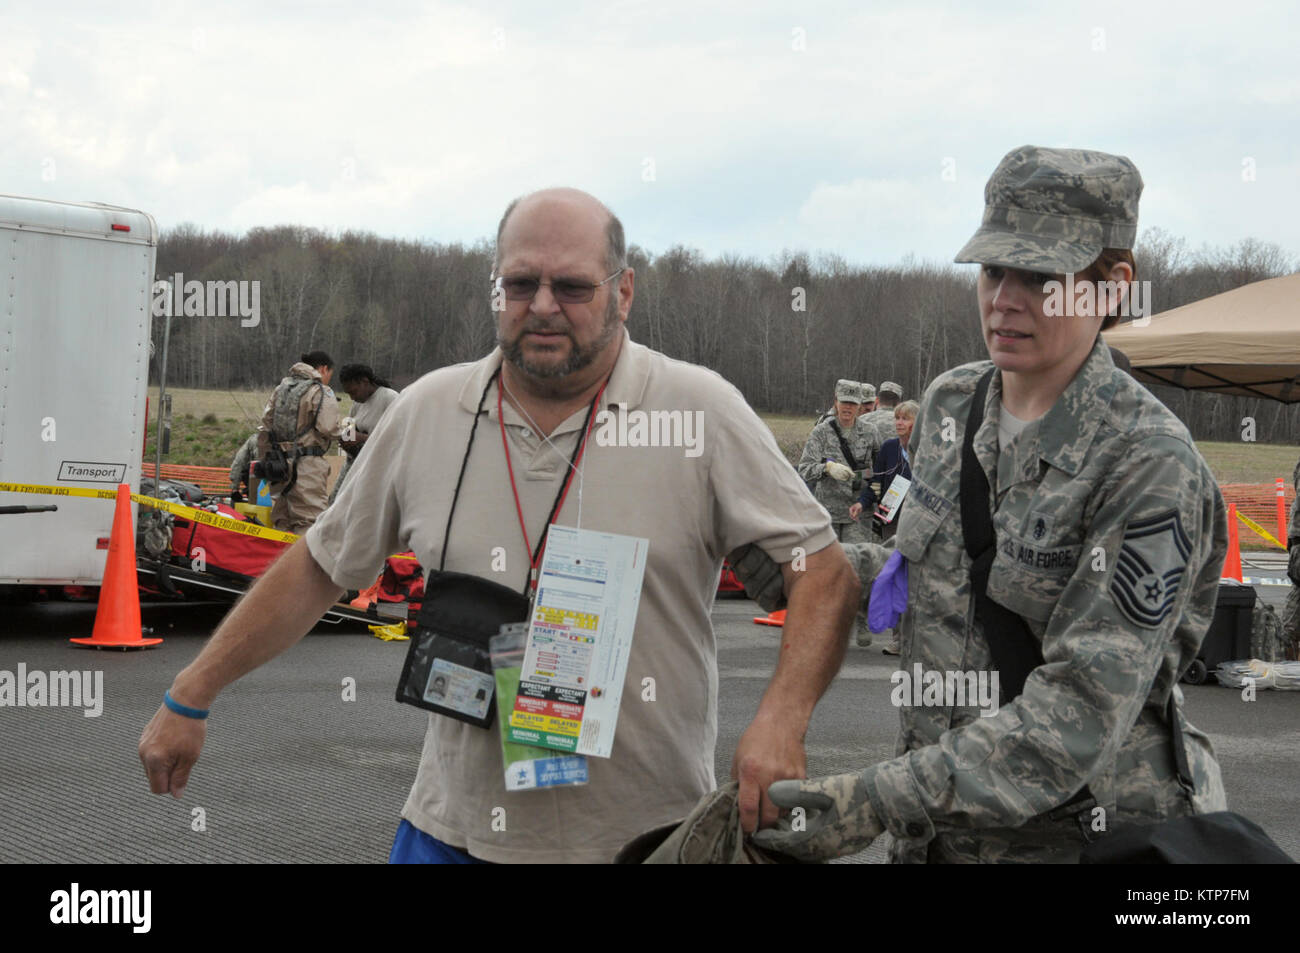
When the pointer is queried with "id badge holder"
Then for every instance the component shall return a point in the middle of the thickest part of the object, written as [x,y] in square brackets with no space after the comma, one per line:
[448,666]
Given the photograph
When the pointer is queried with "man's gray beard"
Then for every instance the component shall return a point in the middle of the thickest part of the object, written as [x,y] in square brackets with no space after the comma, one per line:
[578,357]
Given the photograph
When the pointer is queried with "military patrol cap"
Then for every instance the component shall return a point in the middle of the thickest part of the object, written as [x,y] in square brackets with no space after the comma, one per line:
[889,387]
[1054,210]
[850,392]
[868,392]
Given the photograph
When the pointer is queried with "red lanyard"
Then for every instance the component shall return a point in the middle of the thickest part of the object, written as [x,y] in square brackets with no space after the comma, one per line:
[535,555]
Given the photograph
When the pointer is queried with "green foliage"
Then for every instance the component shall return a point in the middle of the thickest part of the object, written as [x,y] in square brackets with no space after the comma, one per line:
[209,441]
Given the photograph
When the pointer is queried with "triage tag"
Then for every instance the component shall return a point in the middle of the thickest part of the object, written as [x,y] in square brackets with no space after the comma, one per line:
[526,768]
[579,641]
[893,498]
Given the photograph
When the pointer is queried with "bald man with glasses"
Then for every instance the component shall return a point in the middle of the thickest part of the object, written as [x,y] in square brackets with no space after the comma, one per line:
[561,294]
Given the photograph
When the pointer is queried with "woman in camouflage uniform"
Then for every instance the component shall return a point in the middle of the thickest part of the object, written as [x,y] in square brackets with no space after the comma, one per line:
[1109,534]
[1291,612]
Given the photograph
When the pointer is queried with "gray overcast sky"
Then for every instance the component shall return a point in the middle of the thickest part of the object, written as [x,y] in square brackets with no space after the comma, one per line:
[866,130]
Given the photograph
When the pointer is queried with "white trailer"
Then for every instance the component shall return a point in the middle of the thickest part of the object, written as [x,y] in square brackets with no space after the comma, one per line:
[75,315]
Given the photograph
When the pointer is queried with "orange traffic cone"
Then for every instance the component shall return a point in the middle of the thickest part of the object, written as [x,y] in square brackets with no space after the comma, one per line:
[117,620]
[1232,565]
[776,618]
[1281,513]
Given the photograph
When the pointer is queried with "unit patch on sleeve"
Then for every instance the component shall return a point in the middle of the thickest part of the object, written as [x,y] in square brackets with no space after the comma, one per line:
[1150,568]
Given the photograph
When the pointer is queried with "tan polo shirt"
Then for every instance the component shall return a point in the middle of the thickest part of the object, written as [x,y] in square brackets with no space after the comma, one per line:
[727,485]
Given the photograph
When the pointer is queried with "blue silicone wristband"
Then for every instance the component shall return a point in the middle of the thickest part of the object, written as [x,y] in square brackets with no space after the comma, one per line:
[186,710]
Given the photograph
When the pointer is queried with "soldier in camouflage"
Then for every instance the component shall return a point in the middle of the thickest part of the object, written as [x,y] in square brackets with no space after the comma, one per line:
[239,468]
[1291,612]
[881,420]
[890,395]
[834,476]
[869,402]
[867,406]
[1110,538]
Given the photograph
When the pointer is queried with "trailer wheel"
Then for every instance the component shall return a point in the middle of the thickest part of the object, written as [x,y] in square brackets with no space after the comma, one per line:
[1196,673]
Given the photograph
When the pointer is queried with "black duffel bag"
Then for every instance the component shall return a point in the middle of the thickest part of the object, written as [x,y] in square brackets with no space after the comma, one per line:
[1219,838]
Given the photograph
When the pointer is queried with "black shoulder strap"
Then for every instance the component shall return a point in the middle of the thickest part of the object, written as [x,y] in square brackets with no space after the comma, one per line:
[849,458]
[1015,651]
[1180,752]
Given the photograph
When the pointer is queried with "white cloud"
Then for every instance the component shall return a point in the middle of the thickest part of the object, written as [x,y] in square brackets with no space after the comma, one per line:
[422,120]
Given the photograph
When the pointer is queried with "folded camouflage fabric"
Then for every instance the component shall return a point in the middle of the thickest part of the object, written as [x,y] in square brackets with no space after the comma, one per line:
[710,834]
[760,574]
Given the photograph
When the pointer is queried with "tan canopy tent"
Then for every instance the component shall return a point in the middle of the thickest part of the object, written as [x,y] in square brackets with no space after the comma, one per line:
[1244,342]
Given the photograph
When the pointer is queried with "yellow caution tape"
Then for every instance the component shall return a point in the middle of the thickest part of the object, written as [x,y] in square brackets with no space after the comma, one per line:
[1259,529]
[185,512]
[248,528]
[390,633]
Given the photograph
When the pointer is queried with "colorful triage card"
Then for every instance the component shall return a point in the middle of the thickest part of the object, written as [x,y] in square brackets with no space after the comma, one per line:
[579,641]
[526,768]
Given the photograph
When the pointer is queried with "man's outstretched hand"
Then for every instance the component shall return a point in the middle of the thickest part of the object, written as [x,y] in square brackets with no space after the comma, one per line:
[169,746]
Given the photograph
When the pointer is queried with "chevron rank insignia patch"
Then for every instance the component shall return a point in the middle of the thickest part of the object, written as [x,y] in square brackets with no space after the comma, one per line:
[1150,568]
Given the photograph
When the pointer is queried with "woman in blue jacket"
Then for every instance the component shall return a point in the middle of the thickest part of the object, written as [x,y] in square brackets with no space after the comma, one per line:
[892,460]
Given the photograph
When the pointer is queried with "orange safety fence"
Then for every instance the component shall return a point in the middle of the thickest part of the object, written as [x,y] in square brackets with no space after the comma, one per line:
[214,481]
[1259,502]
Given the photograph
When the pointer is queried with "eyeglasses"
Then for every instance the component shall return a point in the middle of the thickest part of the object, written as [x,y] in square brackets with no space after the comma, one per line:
[565,290]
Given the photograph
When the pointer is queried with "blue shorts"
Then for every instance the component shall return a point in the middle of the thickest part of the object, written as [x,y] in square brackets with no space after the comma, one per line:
[414,846]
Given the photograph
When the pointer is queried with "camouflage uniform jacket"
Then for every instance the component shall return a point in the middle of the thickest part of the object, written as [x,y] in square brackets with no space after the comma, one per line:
[239,466]
[1293,530]
[316,404]
[823,445]
[882,422]
[1290,616]
[1107,480]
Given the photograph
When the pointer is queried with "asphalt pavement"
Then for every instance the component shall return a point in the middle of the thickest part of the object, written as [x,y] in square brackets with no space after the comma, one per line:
[293,771]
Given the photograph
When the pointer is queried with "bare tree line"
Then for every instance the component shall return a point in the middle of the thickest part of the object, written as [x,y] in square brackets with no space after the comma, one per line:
[781,330]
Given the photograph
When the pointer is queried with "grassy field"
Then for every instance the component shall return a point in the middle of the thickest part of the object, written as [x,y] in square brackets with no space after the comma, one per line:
[1249,462]
[209,425]
[791,433]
